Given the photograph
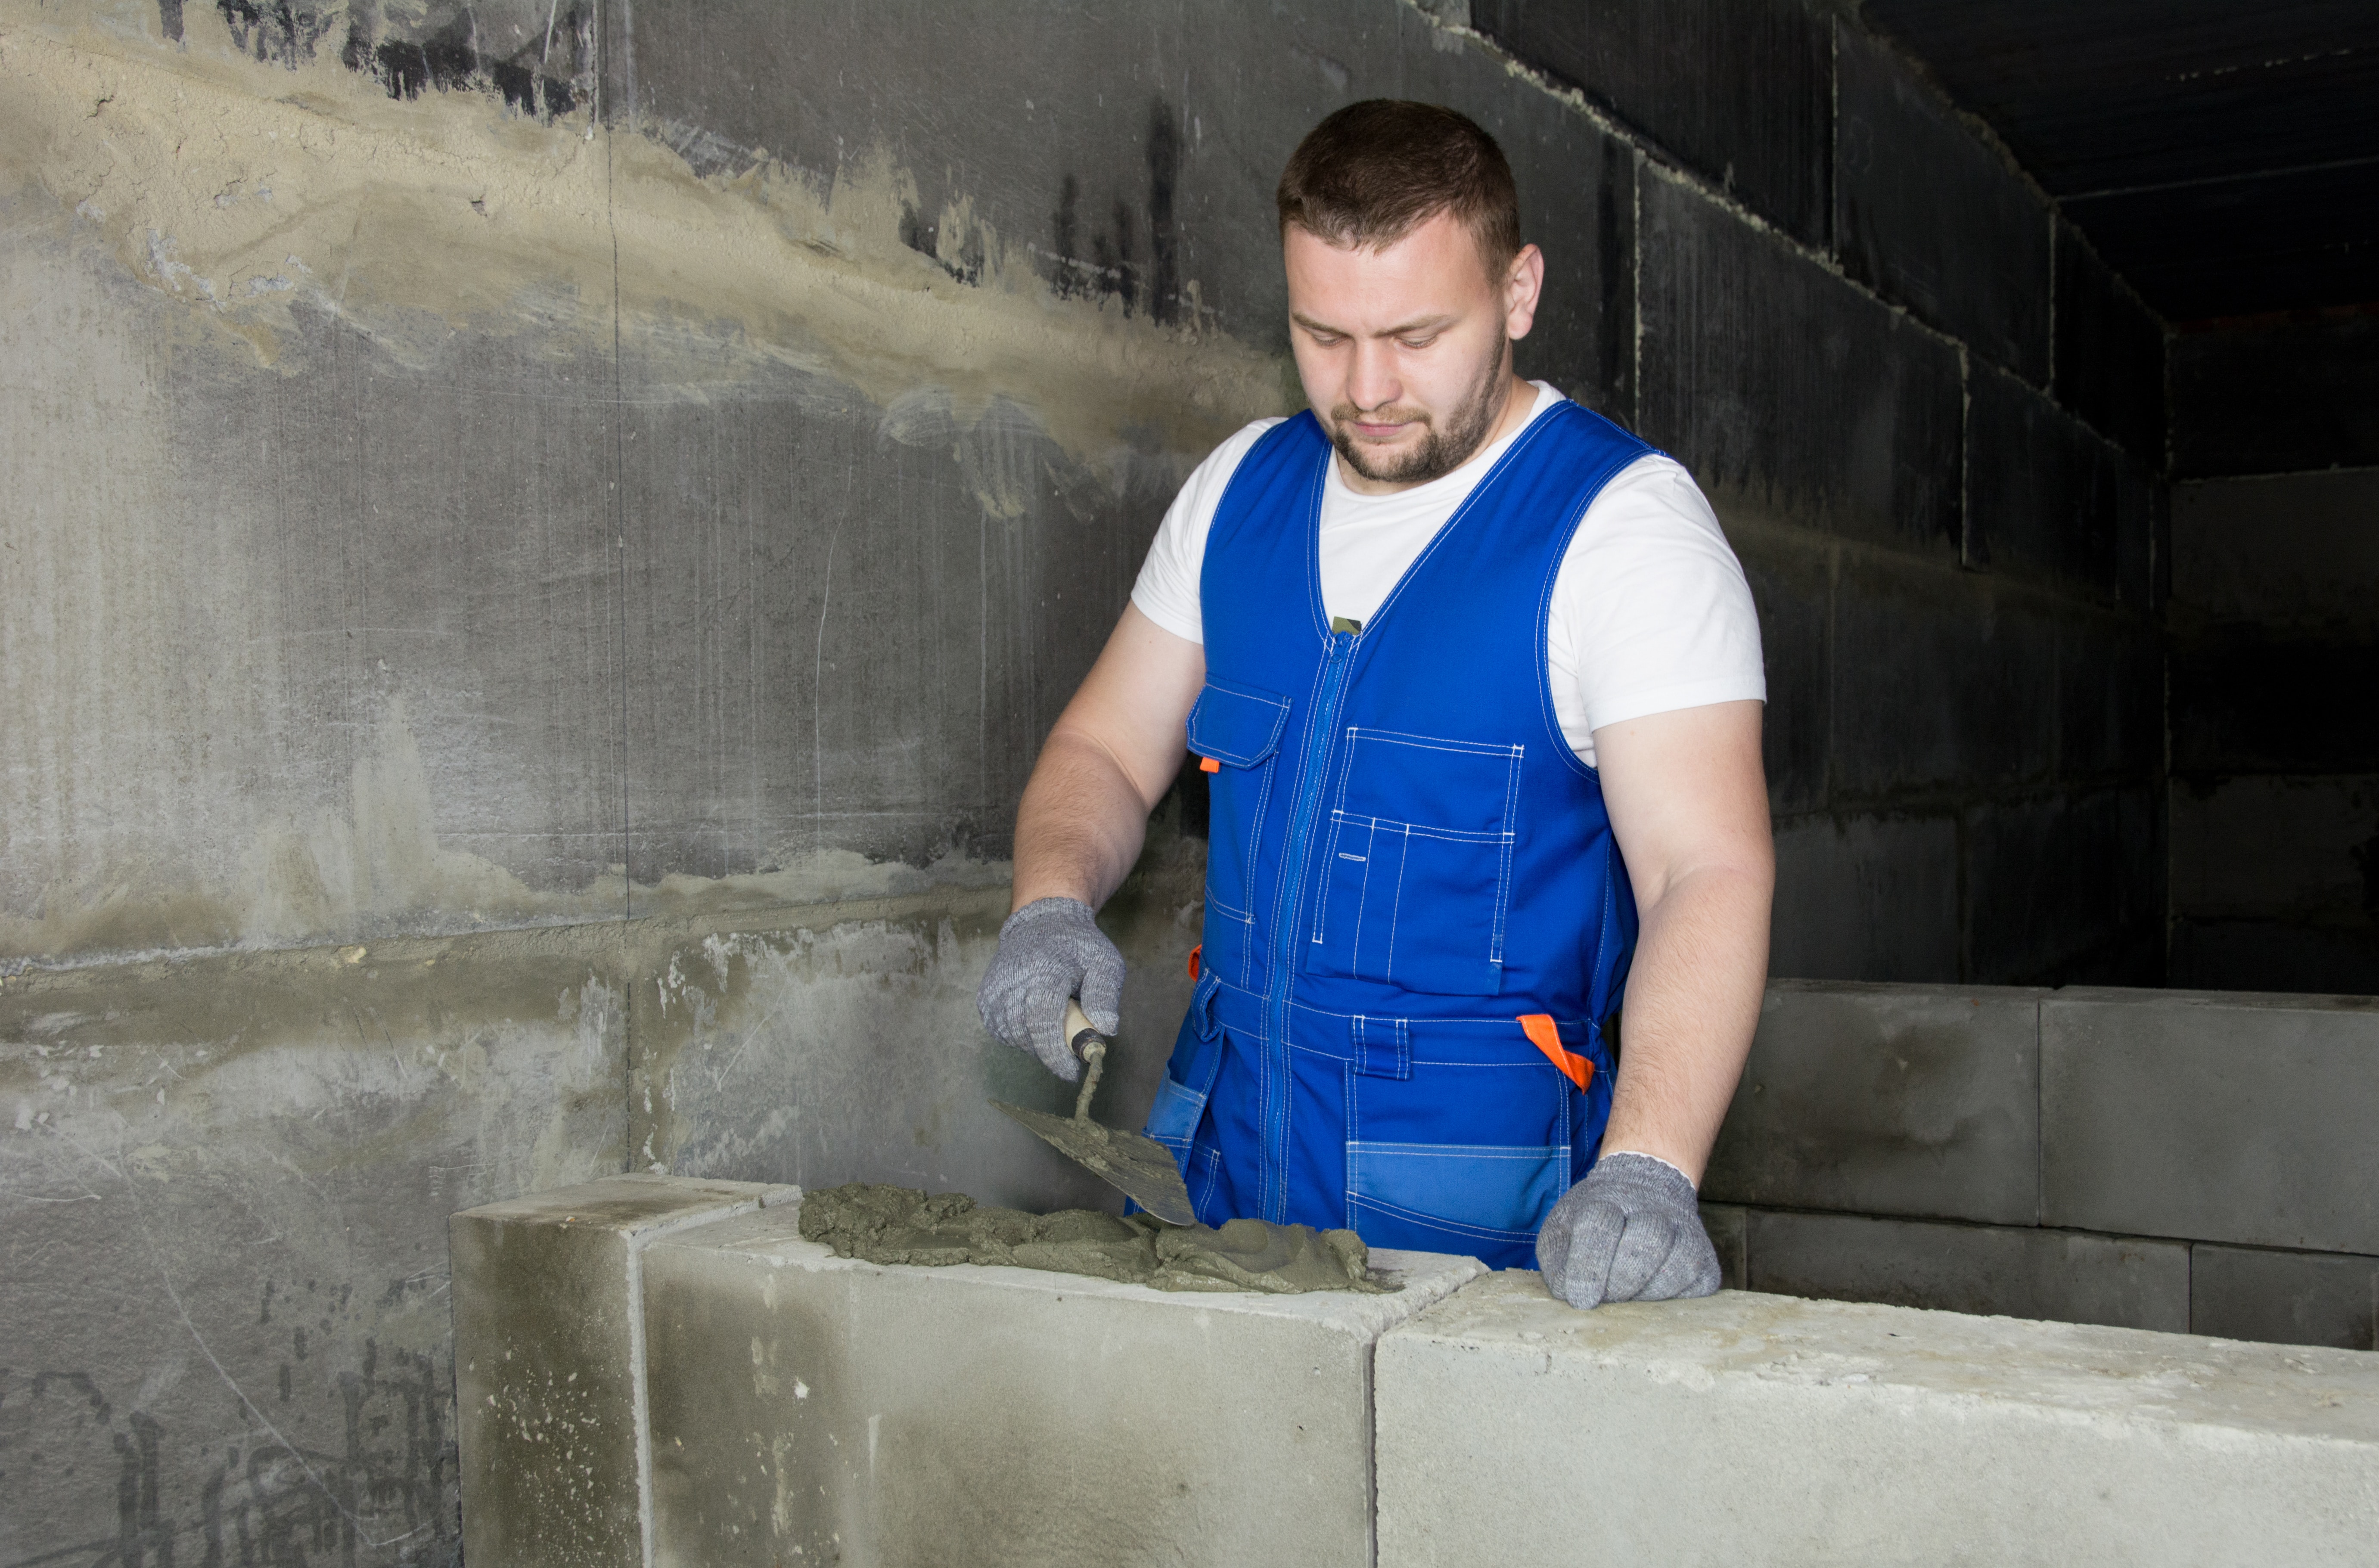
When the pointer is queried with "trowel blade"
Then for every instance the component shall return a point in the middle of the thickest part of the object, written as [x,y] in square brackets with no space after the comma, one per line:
[1142,1167]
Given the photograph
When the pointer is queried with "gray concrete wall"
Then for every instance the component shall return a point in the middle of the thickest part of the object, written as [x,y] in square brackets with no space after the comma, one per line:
[545,539]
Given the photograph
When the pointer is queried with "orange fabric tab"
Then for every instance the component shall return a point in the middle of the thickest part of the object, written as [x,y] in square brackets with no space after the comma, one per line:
[1193,959]
[1208,765]
[1545,1037]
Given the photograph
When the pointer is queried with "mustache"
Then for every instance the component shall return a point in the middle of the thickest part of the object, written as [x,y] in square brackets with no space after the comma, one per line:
[1348,414]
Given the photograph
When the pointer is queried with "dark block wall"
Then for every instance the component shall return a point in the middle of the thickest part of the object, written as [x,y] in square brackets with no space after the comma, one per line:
[1932,422]
[2274,654]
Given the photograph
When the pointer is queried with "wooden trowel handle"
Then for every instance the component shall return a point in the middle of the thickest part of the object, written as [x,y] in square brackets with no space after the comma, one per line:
[1083,1040]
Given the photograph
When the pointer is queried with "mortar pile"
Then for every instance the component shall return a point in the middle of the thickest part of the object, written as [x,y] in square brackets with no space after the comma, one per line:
[901,1224]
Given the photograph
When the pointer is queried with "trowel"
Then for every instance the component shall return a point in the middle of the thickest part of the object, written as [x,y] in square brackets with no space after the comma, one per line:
[1140,1166]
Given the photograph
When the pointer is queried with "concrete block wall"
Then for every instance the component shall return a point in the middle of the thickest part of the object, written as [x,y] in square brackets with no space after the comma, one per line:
[1750,1429]
[1932,422]
[2275,795]
[2184,1162]
[795,1407]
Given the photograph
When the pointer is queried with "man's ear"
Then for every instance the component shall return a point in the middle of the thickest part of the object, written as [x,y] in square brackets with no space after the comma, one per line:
[1523,285]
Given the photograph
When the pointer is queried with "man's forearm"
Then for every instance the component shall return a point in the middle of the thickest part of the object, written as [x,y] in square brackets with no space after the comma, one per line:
[1079,826]
[1693,1000]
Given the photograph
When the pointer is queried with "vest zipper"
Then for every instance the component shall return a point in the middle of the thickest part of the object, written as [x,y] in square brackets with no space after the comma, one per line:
[1313,775]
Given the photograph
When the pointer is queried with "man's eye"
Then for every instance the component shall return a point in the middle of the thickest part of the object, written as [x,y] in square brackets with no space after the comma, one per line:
[1326,340]
[1418,343]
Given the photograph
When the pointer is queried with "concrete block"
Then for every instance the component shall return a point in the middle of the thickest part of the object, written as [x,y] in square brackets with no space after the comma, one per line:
[2046,885]
[549,1355]
[2110,351]
[806,1408]
[1993,1270]
[1793,588]
[1919,1100]
[2285,1297]
[2274,849]
[1741,94]
[2248,700]
[1937,682]
[2142,537]
[1866,897]
[1753,1428]
[2276,955]
[2041,490]
[1793,396]
[2110,697]
[2277,397]
[2210,1116]
[1932,215]
[2284,549]
[1729,1226]
[1577,192]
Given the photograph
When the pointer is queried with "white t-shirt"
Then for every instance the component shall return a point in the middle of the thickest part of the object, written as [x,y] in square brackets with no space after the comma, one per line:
[1650,612]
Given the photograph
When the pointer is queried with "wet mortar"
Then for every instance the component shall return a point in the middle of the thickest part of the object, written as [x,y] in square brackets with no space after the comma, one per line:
[901,1224]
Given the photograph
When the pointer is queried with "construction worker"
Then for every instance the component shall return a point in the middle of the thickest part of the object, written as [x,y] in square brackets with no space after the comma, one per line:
[1476,684]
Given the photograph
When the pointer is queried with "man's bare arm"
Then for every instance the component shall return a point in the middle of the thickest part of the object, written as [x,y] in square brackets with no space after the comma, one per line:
[1108,760]
[1688,801]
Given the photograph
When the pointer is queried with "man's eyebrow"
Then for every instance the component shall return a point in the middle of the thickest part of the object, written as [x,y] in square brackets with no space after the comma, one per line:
[1423,324]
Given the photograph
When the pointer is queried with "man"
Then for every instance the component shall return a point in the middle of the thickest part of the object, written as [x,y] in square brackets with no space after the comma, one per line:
[1476,681]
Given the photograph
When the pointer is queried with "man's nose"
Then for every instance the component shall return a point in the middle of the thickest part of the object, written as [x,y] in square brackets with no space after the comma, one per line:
[1373,380]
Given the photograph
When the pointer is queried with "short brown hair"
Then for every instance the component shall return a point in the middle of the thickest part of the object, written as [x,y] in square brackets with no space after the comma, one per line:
[1375,171]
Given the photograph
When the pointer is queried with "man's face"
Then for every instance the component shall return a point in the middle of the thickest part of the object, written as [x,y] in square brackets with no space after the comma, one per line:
[1404,352]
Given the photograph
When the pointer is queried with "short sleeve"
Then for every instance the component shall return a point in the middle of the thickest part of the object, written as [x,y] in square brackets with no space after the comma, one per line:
[1166,591]
[1651,612]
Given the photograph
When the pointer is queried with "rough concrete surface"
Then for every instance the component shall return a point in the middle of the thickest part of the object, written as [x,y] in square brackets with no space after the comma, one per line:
[842,1043]
[549,1359]
[1761,1430]
[808,1407]
[2109,350]
[1866,897]
[2283,549]
[1932,214]
[2217,1117]
[2287,1297]
[1991,1271]
[1741,93]
[2041,488]
[1748,350]
[1888,1100]
[2276,395]
[222,1260]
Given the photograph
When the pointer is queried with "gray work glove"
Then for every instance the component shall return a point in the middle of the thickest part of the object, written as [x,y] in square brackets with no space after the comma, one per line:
[1049,950]
[1631,1231]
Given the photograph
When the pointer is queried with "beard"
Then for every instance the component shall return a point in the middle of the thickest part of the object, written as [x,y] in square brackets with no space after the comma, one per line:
[1440,451]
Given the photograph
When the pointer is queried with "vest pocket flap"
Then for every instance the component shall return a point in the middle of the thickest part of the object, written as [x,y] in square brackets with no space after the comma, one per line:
[1239,725]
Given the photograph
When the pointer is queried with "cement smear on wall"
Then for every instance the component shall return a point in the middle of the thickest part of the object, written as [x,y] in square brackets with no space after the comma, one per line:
[362,583]
[223,1186]
[895,1225]
[243,188]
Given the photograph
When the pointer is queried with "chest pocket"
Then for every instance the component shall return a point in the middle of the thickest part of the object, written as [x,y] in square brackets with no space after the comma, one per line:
[1235,730]
[1417,872]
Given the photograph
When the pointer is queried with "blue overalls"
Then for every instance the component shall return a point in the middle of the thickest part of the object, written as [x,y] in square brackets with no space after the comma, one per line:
[1416,914]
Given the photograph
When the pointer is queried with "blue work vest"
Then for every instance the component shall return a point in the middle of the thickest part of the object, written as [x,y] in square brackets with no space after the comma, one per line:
[1417,918]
